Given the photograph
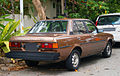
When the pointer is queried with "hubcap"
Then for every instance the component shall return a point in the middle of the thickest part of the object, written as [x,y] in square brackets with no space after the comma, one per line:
[108,50]
[75,59]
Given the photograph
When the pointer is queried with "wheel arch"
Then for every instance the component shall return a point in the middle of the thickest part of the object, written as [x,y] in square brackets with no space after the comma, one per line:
[71,50]
[110,40]
[78,48]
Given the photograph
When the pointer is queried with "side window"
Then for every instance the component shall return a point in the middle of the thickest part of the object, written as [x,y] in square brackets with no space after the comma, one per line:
[91,27]
[78,27]
[56,27]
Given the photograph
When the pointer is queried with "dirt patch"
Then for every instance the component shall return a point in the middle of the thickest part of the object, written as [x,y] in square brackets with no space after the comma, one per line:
[7,64]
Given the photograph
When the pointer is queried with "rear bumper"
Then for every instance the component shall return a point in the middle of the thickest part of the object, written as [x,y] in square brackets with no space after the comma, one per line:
[35,56]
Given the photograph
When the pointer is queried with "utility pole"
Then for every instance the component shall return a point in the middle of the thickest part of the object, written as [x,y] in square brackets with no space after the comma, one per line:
[21,16]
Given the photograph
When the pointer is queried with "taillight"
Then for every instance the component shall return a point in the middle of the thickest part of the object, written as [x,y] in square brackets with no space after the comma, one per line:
[96,23]
[55,45]
[14,44]
[49,45]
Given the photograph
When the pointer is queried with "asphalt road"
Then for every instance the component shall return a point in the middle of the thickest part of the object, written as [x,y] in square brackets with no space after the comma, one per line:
[90,66]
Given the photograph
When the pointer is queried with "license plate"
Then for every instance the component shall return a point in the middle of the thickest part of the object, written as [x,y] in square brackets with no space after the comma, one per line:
[32,47]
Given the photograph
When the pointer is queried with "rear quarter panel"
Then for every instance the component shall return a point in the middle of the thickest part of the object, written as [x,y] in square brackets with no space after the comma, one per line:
[65,46]
[106,37]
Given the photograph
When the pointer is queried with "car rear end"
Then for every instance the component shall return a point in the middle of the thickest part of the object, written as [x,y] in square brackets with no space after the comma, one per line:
[40,43]
[34,50]
[110,23]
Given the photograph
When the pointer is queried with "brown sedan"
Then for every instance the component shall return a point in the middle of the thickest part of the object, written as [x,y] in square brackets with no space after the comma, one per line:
[57,40]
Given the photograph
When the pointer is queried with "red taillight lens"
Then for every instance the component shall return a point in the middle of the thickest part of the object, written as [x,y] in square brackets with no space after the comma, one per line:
[49,45]
[14,44]
[96,23]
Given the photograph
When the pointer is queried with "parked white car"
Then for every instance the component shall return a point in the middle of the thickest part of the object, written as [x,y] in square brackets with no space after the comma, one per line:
[110,23]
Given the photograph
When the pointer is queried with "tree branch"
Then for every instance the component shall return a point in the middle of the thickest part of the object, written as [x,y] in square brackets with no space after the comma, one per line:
[40,9]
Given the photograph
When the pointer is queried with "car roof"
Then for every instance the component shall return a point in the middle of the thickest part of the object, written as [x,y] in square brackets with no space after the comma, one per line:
[110,14]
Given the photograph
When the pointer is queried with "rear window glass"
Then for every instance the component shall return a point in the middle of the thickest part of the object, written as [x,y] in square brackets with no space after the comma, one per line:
[109,20]
[50,26]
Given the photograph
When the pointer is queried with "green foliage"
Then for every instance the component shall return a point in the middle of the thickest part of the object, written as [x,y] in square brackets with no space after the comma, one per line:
[43,0]
[6,34]
[2,19]
[4,3]
[74,15]
[17,33]
[34,19]
[91,8]
[7,8]
[5,46]
[61,17]
[114,5]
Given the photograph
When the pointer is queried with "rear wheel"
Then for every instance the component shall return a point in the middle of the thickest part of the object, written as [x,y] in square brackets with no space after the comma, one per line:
[31,63]
[73,61]
[107,51]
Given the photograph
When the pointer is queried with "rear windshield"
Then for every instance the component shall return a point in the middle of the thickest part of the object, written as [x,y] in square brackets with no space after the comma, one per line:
[53,26]
[109,20]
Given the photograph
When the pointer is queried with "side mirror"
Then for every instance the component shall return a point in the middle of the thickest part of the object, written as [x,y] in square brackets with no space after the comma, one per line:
[100,30]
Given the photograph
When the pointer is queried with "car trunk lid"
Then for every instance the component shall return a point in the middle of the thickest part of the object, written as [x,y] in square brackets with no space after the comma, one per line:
[36,38]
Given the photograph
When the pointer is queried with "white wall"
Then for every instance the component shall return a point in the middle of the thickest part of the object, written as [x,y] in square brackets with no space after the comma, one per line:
[27,20]
[50,11]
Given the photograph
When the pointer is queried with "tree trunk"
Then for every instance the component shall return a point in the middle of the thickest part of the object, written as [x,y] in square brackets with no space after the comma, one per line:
[40,9]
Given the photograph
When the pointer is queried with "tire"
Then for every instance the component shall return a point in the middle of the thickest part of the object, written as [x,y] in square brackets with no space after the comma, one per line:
[107,51]
[31,63]
[73,61]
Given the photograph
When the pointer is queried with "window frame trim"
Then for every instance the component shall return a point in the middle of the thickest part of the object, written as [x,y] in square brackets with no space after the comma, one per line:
[91,23]
[73,21]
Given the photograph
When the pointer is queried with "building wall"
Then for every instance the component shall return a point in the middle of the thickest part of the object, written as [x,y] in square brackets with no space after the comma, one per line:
[50,10]
[27,20]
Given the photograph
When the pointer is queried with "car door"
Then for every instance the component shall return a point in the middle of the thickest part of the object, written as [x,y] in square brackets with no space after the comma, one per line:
[96,40]
[82,37]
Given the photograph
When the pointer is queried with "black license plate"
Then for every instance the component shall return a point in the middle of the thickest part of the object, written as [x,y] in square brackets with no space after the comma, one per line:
[32,47]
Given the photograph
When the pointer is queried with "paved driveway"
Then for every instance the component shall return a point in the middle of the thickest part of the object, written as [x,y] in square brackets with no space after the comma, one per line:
[91,66]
